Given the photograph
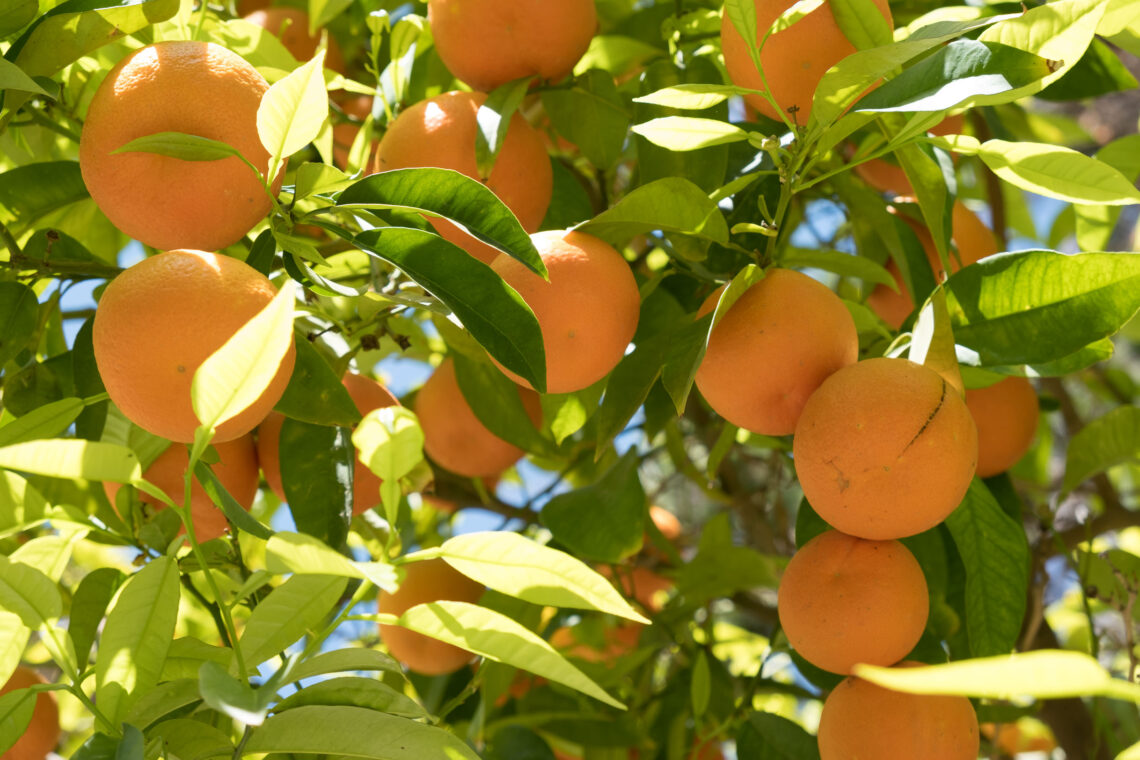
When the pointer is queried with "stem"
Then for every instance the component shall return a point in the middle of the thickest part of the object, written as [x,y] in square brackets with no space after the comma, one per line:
[94,710]
[363,590]
[14,250]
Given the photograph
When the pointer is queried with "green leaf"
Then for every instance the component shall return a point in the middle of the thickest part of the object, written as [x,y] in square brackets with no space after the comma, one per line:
[236,375]
[43,422]
[496,402]
[19,312]
[699,685]
[495,636]
[1044,674]
[490,309]
[843,264]
[1033,307]
[668,205]
[298,553]
[12,77]
[592,115]
[162,700]
[995,553]
[1058,172]
[517,566]
[30,192]
[13,639]
[185,657]
[17,14]
[314,393]
[233,510]
[192,739]
[690,97]
[932,340]
[390,442]
[317,470]
[344,660]
[70,458]
[29,594]
[290,611]
[232,697]
[1105,442]
[353,691]
[1095,224]
[683,133]
[292,112]
[16,709]
[493,119]
[447,193]
[354,732]
[861,22]
[767,736]
[603,521]
[136,637]
[179,145]
[721,568]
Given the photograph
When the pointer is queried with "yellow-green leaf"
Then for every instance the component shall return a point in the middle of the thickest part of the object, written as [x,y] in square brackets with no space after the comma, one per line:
[1058,172]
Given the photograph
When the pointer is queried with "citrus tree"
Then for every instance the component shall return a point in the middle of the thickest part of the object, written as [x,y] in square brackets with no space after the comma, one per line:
[532,379]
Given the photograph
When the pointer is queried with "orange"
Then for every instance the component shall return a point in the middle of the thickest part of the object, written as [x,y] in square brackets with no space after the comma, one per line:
[236,469]
[367,394]
[890,178]
[344,134]
[865,721]
[440,133]
[487,43]
[588,311]
[666,522]
[617,642]
[42,734]
[844,600]
[160,319]
[974,242]
[1006,415]
[648,588]
[885,449]
[794,60]
[1025,735]
[429,581]
[291,26]
[454,437]
[772,349]
[199,88]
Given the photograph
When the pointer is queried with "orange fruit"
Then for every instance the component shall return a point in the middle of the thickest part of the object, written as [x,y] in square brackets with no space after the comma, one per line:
[666,522]
[1025,735]
[648,588]
[974,240]
[236,469]
[199,88]
[794,59]
[160,319]
[885,449]
[865,721]
[291,26]
[1006,415]
[487,43]
[368,395]
[772,349]
[454,437]
[844,600]
[42,734]
[429,581]
[588,310]
[889,177]
[440,132]
[617,642]
[344,134]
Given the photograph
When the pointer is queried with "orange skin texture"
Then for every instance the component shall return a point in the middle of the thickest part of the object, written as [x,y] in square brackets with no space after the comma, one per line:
[975,241]
[454,437]
[291,26]
[236,468]
[487,43]
[886,448]
[160,319]
[588,311]
[890,178]
[794,60]
[429,581]
[844,600]
[195,87]
[440,132]
[768,354]
[368,395]
[1006,415]
[42,734]
[861,721]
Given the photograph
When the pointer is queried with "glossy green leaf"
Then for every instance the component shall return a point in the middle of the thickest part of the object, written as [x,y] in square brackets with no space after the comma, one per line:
[302,554]
[12,77]
[689,97]
[603,521]
[70,458]
[19,311]
[44,422]
[314,393]
[668,205]
[1058,172]
[292,112]
[317,470]
[497,637]
[684,133]
[353,691]
[231,697]
[1103,443]
[592,115]
[88,605]
[136,637]
[493,119]
[234,511]
[345,660]
[290,611]
[497,403]
[185,147]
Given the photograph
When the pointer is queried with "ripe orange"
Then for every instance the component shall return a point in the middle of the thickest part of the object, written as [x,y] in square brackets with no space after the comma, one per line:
[440,132]
[844,600]
[588,311]
[617,642]
[974,241]
[199,88]
[862,720]
[1006,415]
[160,319]
[648,588]
[1025,735]
[454,437]
[666,522]
[368,395]
[885,449]
[429,581]
[42,734]
[487,43]
[794,60]
[890,178]
[291,26]
[236,469]
[768,354]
